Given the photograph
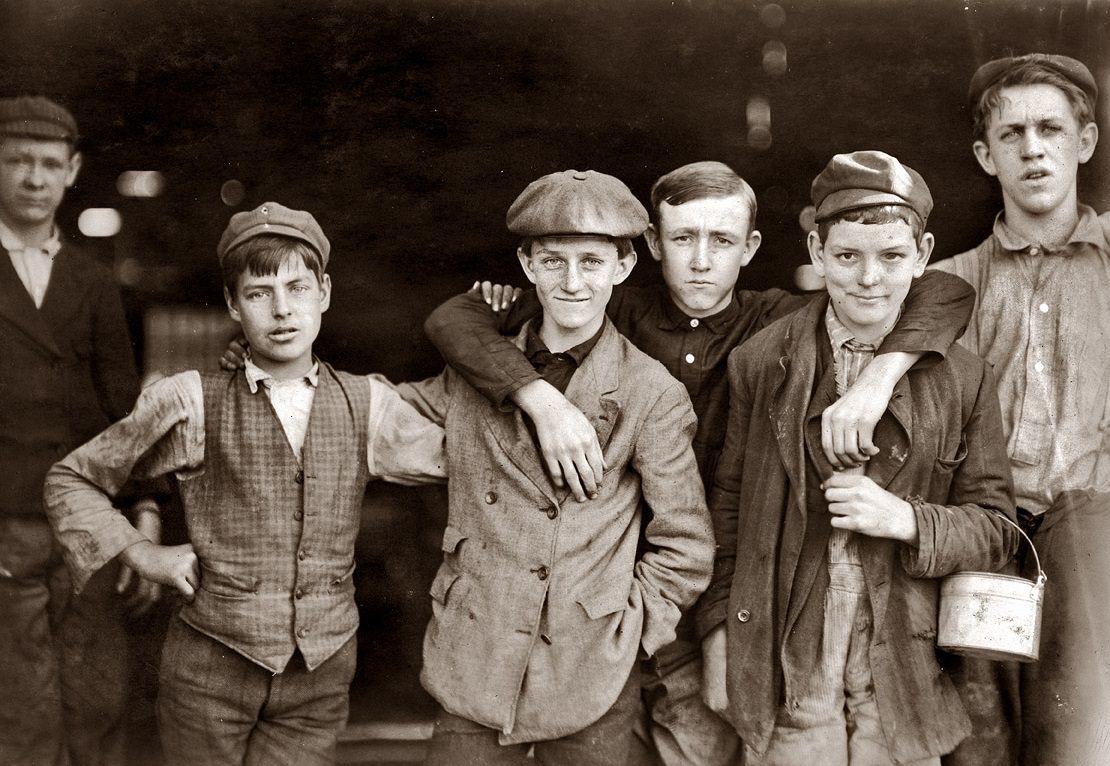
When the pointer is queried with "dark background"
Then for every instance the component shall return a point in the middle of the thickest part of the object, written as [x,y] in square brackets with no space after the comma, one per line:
[407,128]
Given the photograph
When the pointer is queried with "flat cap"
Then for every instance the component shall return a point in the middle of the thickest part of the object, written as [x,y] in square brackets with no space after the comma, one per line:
[577,202]
[991,72]
[863,179]
[272,218]
[37,117]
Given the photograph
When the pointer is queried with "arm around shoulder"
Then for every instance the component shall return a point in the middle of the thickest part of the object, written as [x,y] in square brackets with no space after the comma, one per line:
[405,439]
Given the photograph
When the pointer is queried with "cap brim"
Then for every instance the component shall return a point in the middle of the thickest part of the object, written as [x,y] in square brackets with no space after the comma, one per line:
[47,131]
[262,229]
[851,199]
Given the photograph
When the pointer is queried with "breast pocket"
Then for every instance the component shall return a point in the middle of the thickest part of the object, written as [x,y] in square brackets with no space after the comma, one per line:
[943,470]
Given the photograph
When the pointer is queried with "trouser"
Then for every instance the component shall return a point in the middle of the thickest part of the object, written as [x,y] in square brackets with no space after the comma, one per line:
[457,741]
[1065,696]
[216,707]
[677,728]
[63,657]
[835,722]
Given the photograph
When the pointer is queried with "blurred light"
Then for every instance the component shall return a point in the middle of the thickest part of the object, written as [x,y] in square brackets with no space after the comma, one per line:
[232,192]
[99,222]
[129,272]
[758,112]
[759,139]
[772,15]
[774,58]
[807,279]
[140,183]
[807,219]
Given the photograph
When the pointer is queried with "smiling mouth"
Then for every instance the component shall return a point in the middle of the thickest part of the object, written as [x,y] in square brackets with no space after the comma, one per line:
[1035,175]
[282,333]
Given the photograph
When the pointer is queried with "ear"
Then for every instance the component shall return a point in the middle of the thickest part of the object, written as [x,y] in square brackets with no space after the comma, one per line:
[983,155]
[325,293]
[1088,139]
[232,306]
[754,240]
[526,264]
[654,242]
[816,253]
[624,267]
[924,251]
[74,168]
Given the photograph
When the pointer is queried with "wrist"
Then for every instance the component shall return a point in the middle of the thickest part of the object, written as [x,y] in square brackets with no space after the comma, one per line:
[535,397]
[136,555]
[908,514]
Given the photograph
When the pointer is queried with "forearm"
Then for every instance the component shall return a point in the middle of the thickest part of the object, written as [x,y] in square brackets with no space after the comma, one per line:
[936,312]
[469,337]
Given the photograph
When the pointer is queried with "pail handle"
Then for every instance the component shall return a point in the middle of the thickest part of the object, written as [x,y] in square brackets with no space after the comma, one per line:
[1042,578]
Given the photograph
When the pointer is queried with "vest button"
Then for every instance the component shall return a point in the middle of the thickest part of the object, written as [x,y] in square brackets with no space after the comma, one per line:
[302,632]
[298,593]
[301,555]
[491,497]
[299,478]
[298,515]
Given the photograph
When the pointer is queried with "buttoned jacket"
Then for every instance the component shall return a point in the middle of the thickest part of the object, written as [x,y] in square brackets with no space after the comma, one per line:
[940,440]
[68,371]
[542,604]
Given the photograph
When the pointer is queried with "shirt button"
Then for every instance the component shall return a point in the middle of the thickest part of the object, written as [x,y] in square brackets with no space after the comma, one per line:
[694,322]
[1044,308]
[299,478]
[689,359]
[1039,367]
[743,615]
[302,632]
[542,573]
[552,512]
[298,593]
[491,497]
[301,555]
[1034,251]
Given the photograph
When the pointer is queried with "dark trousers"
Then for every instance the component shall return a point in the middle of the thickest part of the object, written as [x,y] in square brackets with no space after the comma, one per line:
[63,657]
[216,707]
[606,742]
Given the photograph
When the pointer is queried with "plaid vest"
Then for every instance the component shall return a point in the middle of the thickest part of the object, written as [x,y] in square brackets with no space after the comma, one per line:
[276,538]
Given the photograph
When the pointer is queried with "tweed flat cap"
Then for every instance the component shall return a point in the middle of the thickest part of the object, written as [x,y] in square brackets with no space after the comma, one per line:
[863,179]
[577,202]
[37,117]
[272,218]
[991,72]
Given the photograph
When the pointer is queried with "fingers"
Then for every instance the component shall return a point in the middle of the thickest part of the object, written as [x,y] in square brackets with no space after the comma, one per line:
[145,596]
[185,588]
[570,476]
[828,446]
[554,470]
[124,579]
[586,475]
[517,292]
[596,460]
[867,447]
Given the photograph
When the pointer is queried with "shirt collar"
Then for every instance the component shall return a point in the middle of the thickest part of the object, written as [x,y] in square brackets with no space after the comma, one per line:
[841,336]
[256,375]
[1088,230]
[674,318]
[534,345]
[11,242]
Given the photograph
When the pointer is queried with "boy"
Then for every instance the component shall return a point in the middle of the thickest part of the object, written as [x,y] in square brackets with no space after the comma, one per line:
[1042,320]
[703,235]
[543,604]
[820,622]
[271,464]
[68,371]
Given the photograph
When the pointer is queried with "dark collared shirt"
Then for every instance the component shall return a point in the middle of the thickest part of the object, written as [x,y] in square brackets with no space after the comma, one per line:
[559,367]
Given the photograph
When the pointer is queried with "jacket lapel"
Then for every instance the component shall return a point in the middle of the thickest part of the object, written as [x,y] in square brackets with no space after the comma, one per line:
[65,293]
[19,310]
[892,436]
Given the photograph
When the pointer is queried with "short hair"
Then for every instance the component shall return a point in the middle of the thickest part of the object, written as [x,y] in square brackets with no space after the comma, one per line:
[263,256]
[624,245]
[1030,73]
[875,214]
[700,180]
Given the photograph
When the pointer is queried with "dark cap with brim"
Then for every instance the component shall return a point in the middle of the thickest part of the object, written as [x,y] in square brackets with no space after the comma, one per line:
[865,179]
[1069,68]
[37,117]
[577,202]
[272,218]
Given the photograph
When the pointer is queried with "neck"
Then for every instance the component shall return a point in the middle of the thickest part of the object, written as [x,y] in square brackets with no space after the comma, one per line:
[281,370]
[559,339]
[31,235]
[1049,230]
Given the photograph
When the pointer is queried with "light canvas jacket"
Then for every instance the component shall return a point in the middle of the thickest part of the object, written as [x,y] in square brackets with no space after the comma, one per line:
[541,605]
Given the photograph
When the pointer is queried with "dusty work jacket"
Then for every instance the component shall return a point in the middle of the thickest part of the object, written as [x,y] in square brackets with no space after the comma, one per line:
[541,604]
[940,440]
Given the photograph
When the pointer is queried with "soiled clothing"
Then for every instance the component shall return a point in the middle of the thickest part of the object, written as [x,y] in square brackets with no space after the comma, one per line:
[1042,320]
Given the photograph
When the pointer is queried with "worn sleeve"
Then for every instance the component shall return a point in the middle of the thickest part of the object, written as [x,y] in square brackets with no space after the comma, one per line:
[403,445]
[967,533]
[114,374]
[936,313]
[164,433]
[676,567]
[471,338]
[724,500]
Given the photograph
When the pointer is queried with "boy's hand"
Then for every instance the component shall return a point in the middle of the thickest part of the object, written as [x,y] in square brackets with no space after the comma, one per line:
[498,297]
[714,691]
[234,357]
[848,425]
[173,565]
[860,505]
[148,520]
[568,443]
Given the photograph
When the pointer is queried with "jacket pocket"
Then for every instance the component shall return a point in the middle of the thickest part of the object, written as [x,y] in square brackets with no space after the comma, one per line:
[605,602]
[948,465]
[441,586]
[452,539]
[227,583]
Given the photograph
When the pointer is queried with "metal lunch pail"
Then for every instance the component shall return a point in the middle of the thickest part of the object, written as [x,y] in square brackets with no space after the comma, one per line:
[993,616]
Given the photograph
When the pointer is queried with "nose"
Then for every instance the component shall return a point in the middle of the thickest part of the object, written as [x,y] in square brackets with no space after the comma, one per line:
[699,261]
[869,273]
[572,279]
[1031,144]
[35,175]
[280,304]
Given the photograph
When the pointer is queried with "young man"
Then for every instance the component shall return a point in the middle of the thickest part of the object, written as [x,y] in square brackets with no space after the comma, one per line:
[1042,320]
[820,623]
[703,235]
[271,464]
[542,603]
[68,370]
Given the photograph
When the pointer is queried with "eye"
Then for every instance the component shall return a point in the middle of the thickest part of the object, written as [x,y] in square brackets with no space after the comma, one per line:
[682,239]
[255,295]
[592,262]
[845,257]
[552,263]
[299,289]
[723,241]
